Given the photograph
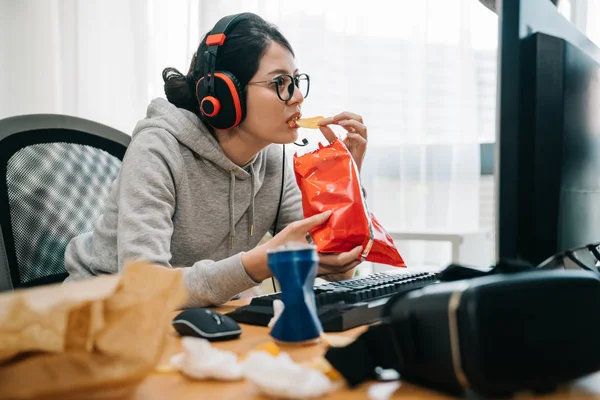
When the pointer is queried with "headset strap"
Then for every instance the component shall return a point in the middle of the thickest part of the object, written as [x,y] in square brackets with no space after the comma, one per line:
[364,359]
[214,40]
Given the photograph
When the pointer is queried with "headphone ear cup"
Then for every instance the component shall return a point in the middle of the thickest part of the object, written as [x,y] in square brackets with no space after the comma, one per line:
[225,107]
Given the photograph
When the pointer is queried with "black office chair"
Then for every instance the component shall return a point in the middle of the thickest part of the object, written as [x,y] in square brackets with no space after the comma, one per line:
[56,174]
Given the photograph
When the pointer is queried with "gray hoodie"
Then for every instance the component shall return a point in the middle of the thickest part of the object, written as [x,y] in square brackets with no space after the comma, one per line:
[180,202]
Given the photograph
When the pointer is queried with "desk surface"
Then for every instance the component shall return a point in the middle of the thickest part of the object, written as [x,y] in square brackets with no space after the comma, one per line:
[175,386]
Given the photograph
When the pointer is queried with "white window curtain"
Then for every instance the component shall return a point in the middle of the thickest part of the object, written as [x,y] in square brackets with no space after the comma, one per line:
[420,72]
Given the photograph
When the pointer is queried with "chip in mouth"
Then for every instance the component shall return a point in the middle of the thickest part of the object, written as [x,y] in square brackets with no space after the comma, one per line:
[292,122]
[310,123]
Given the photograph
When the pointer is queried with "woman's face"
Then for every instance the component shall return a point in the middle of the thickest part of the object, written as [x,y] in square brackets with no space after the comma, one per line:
[267,115]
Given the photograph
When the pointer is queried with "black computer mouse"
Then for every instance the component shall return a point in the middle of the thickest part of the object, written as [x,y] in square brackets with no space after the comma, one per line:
[206,324]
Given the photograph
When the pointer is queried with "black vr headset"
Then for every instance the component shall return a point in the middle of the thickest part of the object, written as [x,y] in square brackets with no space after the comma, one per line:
[515,328]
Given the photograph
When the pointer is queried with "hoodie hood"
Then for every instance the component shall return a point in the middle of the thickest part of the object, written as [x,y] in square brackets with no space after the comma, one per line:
[191,132]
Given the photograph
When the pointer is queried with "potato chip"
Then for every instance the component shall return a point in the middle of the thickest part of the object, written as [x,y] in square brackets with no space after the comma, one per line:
[336,340]
[322,365]
[269,347]
[310,123]
[165,369]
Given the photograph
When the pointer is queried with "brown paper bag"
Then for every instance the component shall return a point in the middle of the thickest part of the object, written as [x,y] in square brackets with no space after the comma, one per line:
[86,339]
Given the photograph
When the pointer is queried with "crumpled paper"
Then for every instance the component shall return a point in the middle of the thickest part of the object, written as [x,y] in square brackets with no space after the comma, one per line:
[83,339]
[200,360]
[273,372]
[282,378]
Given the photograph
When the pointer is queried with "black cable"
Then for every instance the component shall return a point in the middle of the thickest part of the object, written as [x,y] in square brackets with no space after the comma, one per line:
[279,205]
[580,264]
[304,143]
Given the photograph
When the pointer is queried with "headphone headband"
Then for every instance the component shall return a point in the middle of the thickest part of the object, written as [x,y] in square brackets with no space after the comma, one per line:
[215,39]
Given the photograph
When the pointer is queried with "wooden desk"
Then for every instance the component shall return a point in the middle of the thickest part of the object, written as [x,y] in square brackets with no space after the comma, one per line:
[176,386]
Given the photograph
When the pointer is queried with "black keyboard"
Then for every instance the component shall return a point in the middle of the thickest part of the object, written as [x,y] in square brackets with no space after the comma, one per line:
[343,304]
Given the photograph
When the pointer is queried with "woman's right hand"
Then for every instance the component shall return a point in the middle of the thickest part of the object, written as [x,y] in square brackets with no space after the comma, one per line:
[331,265]
[255,260]
[298,230]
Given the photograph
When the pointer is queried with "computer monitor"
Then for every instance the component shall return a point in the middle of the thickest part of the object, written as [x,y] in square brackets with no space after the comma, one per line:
[548,133]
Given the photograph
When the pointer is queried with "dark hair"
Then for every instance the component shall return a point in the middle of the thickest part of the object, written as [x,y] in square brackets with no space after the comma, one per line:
[240,54]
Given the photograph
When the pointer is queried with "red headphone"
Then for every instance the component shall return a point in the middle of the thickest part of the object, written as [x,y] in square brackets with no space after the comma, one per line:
[219,93]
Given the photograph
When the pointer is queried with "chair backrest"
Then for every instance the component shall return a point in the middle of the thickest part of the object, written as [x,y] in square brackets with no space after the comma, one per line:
[56,172]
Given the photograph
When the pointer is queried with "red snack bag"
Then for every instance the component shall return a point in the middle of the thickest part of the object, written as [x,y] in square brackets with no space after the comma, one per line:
[328,179]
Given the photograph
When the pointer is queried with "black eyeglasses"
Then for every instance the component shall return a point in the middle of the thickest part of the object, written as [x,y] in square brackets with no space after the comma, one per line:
[585,257]
[285,85]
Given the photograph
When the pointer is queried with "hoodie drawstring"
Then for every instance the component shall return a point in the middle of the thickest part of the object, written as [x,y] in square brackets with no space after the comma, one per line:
[231,208]
[232,202]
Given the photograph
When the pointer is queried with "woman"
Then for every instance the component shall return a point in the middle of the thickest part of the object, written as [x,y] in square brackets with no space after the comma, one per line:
[192,196]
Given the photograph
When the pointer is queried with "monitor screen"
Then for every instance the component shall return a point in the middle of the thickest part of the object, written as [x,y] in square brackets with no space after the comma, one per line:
[548,136]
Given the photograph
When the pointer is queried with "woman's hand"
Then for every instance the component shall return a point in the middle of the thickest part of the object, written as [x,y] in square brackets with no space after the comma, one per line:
[335,267]
[297,231]
[356,137]
[255,260]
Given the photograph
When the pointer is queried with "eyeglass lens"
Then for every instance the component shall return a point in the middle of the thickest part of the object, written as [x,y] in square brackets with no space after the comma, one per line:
[285,86]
